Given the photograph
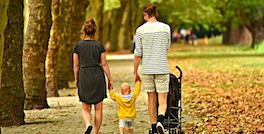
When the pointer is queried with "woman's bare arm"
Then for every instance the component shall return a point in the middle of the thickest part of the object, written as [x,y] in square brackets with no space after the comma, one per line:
[106,69]
[76,67]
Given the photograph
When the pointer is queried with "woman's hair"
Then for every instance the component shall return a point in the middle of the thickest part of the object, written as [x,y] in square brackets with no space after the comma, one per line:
[89,28]
[150,9]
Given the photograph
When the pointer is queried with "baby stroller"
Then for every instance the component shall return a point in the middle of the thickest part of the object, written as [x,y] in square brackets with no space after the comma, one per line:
[173,115]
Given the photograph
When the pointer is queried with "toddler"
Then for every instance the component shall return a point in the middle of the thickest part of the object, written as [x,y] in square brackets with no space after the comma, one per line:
[126,105]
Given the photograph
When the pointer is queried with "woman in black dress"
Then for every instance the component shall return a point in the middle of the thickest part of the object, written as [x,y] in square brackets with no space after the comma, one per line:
[90,67]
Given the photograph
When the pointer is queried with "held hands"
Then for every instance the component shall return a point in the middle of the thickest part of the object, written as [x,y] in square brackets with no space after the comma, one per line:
[136,78]
[110,85]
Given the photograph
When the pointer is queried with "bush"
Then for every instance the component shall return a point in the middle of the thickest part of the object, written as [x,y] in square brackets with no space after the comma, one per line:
[260,47]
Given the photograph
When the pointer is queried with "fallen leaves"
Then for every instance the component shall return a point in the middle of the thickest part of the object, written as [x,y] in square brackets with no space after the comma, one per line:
[226,101]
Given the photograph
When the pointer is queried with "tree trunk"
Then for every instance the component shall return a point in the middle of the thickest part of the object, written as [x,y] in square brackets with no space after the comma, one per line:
[71,20]
[226,34]
[239,36]
[12,91]
[95,11]
[64,65]
[34,53]
[257,30]
[115,24]
[105,34]
[3,23]
[124,36]
[78,17]
[51,59]
[72,17]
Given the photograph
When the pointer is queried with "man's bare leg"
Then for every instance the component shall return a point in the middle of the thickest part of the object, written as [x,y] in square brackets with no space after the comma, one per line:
[162,103]
[152,101]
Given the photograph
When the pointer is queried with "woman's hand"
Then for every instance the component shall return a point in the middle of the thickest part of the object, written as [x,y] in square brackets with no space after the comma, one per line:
[76,83]
[110,85]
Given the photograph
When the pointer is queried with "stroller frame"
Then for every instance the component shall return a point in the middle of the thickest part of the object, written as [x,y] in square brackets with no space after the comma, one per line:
[173,116]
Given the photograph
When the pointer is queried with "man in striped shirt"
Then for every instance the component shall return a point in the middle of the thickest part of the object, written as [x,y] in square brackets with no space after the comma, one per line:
[153,40]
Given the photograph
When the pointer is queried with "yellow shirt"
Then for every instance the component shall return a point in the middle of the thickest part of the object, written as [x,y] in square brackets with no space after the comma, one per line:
[126,108]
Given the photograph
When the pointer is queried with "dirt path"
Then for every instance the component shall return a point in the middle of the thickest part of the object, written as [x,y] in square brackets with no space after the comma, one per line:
[65,116]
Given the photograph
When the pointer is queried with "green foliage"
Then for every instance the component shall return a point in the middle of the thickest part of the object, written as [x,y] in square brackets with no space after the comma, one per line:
[111,4]
[216,40]
[260,47]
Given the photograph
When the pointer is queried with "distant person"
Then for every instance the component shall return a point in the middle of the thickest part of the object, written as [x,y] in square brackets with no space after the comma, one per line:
[107,46]
[126,106]
[153,40]
[192,37]
[174,37]
[183,34]
[90,67]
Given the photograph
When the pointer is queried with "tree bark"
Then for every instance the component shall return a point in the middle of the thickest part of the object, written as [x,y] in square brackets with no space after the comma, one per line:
[125,31]
[71,20]
[255,24]
[115,25]
[95,11]
[79,10]
[257,30]
[226,34]
[51,58]
[3,23]
[239,36]
[34,53]
[136,17]
[105,34]
[72,17]
[12,91]
[65,50]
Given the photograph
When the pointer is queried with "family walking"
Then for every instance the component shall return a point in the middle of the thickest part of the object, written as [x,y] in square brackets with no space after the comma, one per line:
[153,40]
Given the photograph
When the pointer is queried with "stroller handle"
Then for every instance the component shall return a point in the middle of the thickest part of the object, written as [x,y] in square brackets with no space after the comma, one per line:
[179,71]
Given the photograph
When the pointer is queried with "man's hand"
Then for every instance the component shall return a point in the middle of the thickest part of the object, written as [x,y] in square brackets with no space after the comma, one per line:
[136,78]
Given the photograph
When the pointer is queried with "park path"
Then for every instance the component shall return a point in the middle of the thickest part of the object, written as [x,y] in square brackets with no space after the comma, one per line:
[64,115]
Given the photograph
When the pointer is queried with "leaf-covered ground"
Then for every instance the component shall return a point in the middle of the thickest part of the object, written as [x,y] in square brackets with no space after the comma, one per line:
[224,90]
[223,86]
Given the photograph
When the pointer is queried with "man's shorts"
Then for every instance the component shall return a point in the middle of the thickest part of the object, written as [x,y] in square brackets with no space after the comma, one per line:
[155,82]
[123,122]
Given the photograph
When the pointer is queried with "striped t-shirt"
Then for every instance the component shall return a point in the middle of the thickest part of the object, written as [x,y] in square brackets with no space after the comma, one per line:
[152,43]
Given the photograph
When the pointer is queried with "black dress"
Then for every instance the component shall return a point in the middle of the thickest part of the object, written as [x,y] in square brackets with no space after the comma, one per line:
[91,78]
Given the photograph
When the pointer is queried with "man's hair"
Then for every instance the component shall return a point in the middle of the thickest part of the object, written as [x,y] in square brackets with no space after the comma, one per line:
[150,9]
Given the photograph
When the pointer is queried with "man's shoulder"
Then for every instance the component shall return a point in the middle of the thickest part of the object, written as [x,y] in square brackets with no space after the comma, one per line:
[164,24]
[140,28]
